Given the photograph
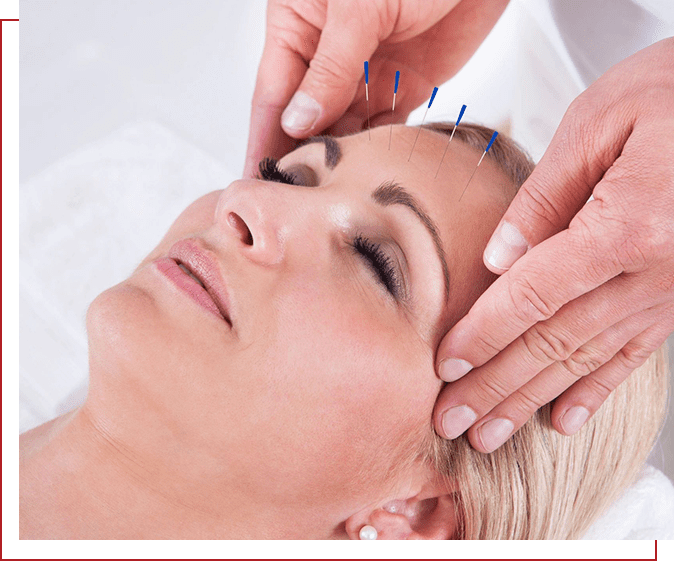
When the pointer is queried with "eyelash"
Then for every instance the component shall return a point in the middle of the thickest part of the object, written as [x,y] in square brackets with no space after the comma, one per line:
[379,262]
[269,171]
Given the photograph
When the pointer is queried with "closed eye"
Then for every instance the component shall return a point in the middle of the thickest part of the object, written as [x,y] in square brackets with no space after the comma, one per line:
[380,263]
[269,170]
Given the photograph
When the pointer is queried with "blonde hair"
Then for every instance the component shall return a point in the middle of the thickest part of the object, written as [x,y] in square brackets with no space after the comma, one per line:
[541,484]
[510,156]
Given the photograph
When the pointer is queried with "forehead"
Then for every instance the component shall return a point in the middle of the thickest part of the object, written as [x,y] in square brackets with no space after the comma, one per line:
[464,226]
[371,158]
[368,162]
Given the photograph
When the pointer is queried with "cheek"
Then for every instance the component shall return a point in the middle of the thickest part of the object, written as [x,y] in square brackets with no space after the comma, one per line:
[344,379]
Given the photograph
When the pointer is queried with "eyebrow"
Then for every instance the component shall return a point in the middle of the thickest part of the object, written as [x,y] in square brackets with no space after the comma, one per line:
[387,194]
[392,193]
[333,153]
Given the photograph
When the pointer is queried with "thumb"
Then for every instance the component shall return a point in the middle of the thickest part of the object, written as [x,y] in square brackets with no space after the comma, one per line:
[329,85]
[579,154]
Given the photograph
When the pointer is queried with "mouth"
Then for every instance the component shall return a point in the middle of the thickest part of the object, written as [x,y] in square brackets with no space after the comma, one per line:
[195,270]
[189,273]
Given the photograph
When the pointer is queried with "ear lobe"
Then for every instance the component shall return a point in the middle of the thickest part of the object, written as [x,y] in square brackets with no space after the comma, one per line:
[389,526]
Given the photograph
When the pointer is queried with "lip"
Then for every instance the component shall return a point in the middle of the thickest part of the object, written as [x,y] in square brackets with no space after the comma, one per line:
[202,264]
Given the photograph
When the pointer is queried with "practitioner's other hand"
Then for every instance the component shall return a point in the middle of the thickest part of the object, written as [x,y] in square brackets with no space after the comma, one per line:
[311,79]
[587,290]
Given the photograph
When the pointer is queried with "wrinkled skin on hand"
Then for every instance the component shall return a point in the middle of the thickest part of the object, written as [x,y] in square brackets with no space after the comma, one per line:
[587,290]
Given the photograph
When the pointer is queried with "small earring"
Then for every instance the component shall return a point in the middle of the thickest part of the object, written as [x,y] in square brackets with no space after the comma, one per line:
[368,533]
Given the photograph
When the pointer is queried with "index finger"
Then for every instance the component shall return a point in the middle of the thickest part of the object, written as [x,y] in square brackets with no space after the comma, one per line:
[280,73]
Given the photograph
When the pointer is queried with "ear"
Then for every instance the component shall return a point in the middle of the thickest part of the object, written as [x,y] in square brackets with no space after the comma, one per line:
[428,515]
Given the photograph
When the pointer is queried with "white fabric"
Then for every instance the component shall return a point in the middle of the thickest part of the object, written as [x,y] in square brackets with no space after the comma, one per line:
[598,34]
[645,511]
[565,46]
[85,223]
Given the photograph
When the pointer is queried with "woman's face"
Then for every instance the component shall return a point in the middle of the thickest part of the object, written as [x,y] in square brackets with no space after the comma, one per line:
[321,377]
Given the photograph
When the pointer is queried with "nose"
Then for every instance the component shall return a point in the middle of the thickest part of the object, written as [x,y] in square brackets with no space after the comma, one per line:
[241,229]
[257,216]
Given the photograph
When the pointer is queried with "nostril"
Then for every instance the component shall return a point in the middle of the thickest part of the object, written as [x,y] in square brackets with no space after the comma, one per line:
[236,222]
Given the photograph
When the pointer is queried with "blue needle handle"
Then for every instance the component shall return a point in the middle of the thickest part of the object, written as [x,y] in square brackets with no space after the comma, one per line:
[366,72]
[493,137]
[463,109]
[395,90]
[435,90]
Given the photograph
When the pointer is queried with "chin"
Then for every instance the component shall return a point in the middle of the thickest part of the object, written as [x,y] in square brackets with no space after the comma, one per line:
[143,334]
[121,325]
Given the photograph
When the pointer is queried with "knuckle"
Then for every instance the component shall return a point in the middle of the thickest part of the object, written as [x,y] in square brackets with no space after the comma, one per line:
[588,121]
[265,100]
[598,237]
[636,247]
[599,387]
[484,344]
[328,69]
[621,234]
[584,361]
[528,306]
[545,345]
[537,208]
[492,390]
[526,402]
[633,355]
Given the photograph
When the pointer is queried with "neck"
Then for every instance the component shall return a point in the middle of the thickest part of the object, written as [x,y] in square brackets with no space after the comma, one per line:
[79,482]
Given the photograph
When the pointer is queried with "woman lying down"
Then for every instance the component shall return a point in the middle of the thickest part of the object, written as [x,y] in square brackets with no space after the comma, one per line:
[267,371]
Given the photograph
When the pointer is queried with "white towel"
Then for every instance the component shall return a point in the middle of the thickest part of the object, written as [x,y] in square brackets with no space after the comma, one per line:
[645,511]
[85,223]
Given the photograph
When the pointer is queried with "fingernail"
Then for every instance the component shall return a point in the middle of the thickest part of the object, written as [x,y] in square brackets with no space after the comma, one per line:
[455,421]
[506,247]
[574,418]
[452,369]
[301,113]
[495,432]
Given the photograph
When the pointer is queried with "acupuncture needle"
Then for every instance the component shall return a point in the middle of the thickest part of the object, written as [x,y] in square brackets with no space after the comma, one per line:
[395,91]
[463,109]
[367,101]
[435,90]
[493,137]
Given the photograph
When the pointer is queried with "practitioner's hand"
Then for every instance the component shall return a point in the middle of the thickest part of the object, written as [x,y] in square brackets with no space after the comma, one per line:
[589,288]
[311,77]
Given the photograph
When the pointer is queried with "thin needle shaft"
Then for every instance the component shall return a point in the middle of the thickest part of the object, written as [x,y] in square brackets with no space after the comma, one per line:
[367,100]
[435,90]
[463,109]
[470,179]
[395,91]
[418,133]
[493,137]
